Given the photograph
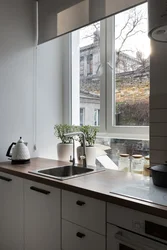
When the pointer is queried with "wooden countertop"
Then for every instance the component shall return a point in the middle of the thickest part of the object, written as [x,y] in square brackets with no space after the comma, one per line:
[96,185]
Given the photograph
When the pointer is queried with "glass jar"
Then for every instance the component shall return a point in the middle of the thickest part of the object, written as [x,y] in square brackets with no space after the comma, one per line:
[137,164]
[124,162]
[146,171]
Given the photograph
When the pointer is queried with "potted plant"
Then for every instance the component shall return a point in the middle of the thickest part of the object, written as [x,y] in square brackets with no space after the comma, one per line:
[64,148]
[90,137]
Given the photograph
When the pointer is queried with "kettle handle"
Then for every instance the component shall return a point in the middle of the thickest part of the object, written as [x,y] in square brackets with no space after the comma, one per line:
[9,149]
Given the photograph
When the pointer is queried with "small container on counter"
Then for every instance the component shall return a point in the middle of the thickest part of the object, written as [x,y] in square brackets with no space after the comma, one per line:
[124,162]
[146,171]
[137,165]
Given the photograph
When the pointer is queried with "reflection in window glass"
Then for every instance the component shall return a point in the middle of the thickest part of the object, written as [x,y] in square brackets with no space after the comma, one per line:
[132,48]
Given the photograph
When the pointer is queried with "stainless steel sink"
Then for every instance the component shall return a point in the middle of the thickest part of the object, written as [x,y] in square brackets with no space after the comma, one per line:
[66,172]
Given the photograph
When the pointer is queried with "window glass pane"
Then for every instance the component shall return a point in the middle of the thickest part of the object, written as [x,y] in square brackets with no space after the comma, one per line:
[90,74]
[132,69]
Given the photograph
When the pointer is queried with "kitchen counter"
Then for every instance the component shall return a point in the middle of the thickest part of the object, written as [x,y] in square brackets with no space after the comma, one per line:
[108,185]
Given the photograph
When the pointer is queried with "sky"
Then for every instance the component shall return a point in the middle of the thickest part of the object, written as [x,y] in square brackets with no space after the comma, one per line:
[137,42]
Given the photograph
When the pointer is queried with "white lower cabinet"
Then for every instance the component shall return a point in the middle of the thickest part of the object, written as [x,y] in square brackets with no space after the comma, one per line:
[11,212]
[32,217]
[75,237]
[42,217]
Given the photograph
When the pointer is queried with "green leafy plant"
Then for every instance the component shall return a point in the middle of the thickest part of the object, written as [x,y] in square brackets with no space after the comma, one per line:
[90,135]
[61,129]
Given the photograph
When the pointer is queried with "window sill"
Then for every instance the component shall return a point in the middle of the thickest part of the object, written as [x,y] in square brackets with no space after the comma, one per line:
[123,136]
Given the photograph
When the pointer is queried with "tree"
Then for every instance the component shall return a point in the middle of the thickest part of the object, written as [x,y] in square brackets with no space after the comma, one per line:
[132,26]
[144,64]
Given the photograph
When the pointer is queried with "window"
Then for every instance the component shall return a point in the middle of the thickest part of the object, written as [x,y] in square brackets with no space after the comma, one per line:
[97,117]
[132,71]
[82,116]
[89,64]
[114,67]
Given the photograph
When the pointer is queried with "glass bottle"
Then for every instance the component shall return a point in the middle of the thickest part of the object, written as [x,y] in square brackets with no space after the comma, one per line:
[146,171]
[137,164]
[124,162]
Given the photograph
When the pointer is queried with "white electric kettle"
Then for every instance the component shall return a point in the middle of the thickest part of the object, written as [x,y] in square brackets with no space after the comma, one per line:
[20,153]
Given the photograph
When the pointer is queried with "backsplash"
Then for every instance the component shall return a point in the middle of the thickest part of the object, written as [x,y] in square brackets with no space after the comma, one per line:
[158,129]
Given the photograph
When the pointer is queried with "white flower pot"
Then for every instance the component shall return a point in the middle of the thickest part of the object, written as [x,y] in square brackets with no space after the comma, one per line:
[90,155]
[64,151]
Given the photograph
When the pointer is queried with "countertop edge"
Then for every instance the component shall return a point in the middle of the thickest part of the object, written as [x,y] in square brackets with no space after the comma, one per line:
[128,202]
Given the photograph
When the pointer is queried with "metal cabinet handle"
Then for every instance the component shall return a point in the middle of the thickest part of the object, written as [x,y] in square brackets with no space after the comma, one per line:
[80,203]
[5,179]
[39,190]
[80,235]
[119,236]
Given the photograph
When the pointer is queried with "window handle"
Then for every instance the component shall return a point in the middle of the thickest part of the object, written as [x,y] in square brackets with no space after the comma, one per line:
[110,65]
[39,190]
[5,179]
[80,235]
[80,203]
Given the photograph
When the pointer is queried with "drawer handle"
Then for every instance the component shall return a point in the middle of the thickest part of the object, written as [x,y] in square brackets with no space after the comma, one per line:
[80,203]
[42,191]
[5,179]
[80,235]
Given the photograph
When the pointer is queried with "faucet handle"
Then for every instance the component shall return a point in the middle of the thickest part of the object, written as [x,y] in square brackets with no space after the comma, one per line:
[82,157]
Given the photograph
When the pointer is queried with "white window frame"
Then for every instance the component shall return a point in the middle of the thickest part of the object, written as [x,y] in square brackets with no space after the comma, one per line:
[107,91]
[107,96]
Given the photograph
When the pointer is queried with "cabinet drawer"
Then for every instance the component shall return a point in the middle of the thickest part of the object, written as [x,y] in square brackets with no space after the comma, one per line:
[84,211]
[77,238]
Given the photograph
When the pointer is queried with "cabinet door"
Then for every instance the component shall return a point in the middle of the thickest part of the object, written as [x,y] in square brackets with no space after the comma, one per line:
[42,217]
[11,212]
[75,237]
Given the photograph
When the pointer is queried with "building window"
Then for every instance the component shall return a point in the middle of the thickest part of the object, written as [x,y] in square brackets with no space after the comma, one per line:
[81,65]
[115,89]
[89,64]
[82,116]
[97,117]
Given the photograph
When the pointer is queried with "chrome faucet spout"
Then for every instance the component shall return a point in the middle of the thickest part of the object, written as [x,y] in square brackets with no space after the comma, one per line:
[84,145]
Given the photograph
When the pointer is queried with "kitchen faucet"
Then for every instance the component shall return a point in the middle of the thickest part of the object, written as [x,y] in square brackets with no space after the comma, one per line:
[82,157]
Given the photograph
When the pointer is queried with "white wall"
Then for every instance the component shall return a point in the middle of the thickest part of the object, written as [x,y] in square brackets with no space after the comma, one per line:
[18,98]
[16,72]
[49,96]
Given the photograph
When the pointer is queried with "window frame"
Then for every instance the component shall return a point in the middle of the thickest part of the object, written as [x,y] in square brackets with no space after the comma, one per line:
[109,71]
[107,126]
